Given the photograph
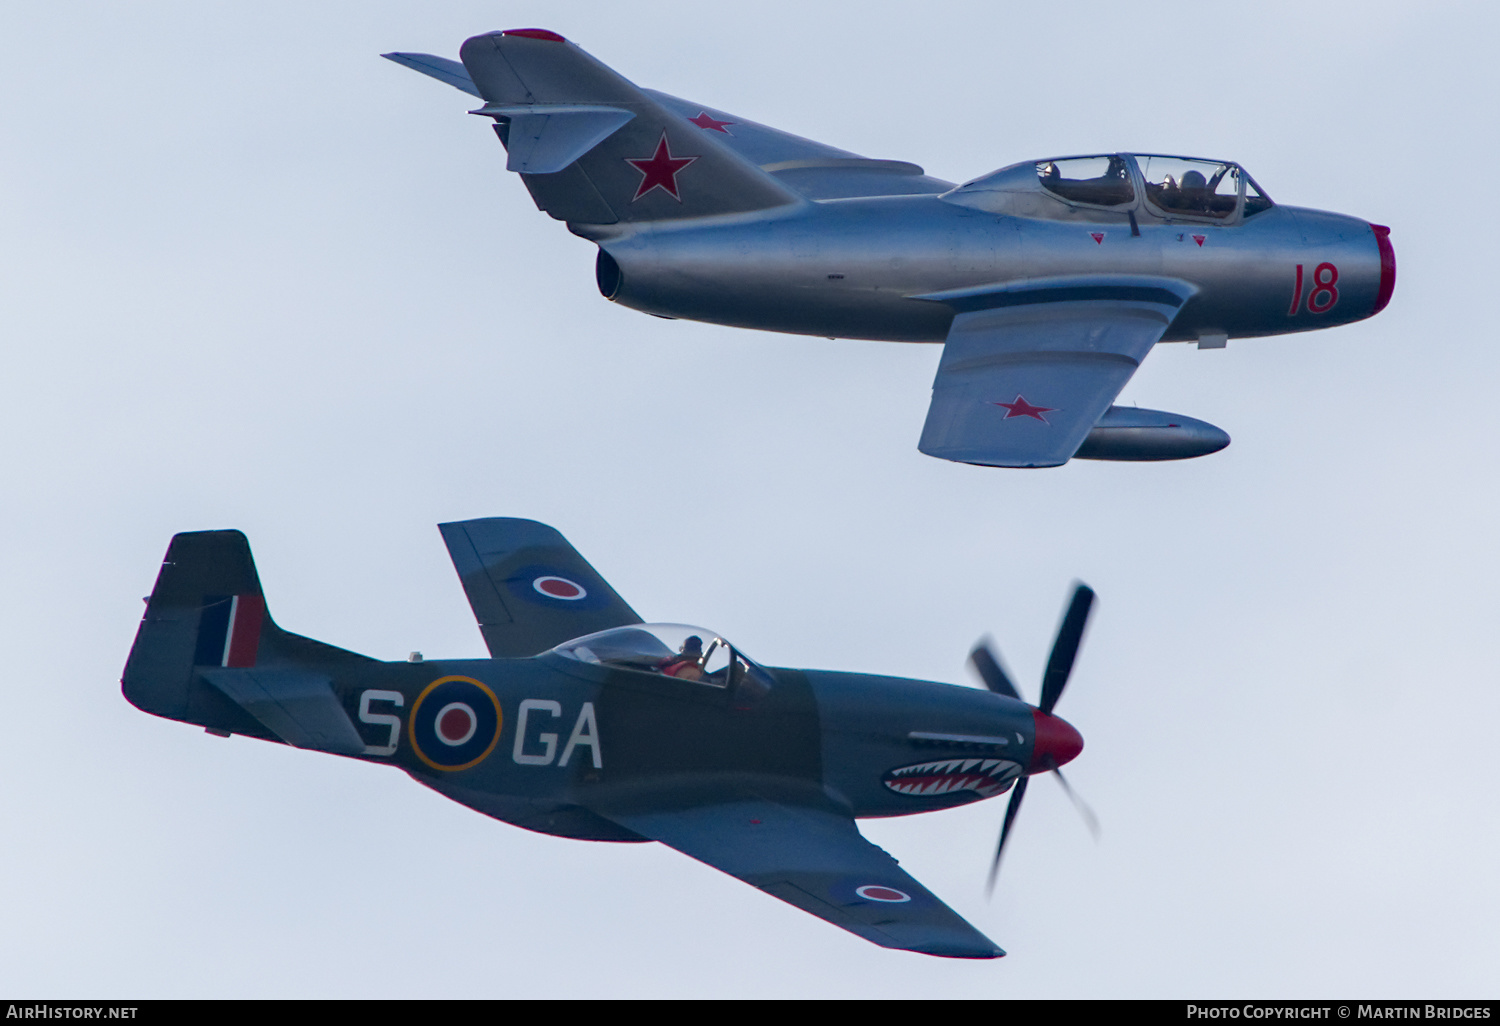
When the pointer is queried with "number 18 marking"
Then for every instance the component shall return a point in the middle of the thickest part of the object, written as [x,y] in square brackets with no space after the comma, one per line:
[1325,283]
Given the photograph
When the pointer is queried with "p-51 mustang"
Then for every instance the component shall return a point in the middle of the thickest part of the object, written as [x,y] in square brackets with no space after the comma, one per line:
[1049,281]
[588,723]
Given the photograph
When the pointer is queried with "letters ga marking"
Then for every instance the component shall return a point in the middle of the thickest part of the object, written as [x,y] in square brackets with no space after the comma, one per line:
[585,735]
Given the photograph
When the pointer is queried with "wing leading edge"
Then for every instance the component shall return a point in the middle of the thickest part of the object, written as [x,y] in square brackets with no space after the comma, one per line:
[1028,369]
[529,589]
[816,860]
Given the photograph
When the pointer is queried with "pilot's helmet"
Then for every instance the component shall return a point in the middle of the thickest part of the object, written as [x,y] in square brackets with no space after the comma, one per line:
[1194,180]
[693,643]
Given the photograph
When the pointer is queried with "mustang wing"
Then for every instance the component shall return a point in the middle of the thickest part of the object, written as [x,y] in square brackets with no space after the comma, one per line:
[816,860]
[530,589]
[1028,369]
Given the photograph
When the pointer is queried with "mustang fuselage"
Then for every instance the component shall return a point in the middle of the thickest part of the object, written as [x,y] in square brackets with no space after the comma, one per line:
[569,736]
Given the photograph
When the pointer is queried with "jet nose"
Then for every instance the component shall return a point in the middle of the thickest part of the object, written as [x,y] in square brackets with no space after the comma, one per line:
[1387,267]
[1057,742]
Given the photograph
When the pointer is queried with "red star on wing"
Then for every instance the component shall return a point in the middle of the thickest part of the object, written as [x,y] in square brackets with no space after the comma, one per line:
[660,170]
[1021,408]
[706,121]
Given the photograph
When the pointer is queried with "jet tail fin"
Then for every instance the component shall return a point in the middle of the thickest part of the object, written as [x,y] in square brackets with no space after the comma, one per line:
[207,649]
[594,148]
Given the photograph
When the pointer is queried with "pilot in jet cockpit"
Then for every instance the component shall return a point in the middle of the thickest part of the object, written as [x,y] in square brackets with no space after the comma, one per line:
[1152,187]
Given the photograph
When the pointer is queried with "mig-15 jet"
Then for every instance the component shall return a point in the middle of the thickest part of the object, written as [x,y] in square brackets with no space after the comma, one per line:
[1047,281]
[588,723]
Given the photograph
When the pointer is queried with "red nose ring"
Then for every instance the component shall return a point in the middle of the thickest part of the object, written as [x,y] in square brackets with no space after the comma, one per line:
[1057,743]
[1387,267]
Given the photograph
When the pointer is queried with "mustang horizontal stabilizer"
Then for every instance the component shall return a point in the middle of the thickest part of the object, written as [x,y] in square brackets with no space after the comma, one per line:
[297,706]
[1028,369]
[529,589]
[816,860]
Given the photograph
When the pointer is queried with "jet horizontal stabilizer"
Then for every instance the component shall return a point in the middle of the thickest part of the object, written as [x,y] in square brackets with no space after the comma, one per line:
[594,148]
[544,138]
[440,68]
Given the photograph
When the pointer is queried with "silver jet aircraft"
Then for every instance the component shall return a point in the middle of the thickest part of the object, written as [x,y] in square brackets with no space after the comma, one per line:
[1048,281]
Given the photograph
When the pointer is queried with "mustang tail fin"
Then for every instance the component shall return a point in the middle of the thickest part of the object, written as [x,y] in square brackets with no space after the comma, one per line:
[592,147]
[207,632]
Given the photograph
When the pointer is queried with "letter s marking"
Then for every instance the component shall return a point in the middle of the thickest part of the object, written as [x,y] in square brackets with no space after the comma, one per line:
[377,719]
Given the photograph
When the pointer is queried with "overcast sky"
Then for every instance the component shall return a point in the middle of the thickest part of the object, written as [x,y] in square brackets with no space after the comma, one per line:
[254,276]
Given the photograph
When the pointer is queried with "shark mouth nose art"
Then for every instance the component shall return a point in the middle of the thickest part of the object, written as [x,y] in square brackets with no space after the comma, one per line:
[985,777]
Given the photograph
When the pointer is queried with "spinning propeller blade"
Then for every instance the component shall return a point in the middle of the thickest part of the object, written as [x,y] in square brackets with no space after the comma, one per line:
[1065,648]
[1017,793]
[1089,819]
[1055,741]
[984,660]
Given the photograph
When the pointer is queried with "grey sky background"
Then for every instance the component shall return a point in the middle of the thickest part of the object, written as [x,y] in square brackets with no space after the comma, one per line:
[254,276]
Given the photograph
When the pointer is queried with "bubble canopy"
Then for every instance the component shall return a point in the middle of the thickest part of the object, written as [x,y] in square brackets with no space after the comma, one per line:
[669,650]
[1156,185]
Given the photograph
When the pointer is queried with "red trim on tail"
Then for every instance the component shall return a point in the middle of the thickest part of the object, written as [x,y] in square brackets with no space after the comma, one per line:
[535,34]
[244,630]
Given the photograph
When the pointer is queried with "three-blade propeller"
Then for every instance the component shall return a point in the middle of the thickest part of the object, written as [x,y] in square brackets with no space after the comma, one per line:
[1050,730]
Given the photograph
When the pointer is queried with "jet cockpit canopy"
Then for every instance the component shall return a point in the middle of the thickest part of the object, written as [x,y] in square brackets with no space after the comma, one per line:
[1115,186]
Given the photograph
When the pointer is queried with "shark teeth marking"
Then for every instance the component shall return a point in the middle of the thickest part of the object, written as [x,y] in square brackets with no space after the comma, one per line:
[984,777]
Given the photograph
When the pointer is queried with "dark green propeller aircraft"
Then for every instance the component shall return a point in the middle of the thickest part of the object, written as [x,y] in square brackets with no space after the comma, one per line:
[589,723]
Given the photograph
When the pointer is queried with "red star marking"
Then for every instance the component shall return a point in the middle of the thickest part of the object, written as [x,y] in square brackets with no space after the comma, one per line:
[704,120]
[660,170]
[1021,408]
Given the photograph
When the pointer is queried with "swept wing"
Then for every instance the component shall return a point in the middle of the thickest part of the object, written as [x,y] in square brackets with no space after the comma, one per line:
[1029,368]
